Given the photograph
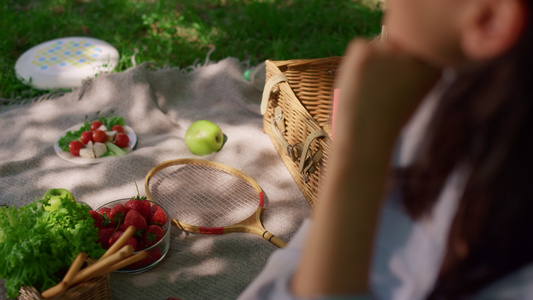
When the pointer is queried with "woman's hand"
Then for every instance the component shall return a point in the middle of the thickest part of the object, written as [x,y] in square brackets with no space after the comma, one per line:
[380,89]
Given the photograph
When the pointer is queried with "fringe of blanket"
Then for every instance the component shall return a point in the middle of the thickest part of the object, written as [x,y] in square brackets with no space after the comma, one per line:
[8,104]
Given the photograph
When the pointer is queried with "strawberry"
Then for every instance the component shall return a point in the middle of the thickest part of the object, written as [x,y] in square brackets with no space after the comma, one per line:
[131,241]
[140,244]
[114,237]
[152,235]
[139,204]
[134,218]
[104,211]
[117,213]
[157,215]
[140,264]
[103,236]
[97,218]
[153,256]
[146,208]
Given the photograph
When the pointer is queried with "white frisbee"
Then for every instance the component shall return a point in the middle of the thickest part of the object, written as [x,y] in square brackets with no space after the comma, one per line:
[65,62]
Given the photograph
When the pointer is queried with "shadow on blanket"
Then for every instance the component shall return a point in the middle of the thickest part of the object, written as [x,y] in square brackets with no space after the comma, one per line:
[159,105]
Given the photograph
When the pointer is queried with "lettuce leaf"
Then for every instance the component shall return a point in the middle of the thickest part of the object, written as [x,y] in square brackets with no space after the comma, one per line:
[37,246]
[72,135]
[112,121]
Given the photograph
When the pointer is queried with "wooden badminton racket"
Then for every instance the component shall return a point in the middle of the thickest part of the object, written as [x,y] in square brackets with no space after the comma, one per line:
[208,197]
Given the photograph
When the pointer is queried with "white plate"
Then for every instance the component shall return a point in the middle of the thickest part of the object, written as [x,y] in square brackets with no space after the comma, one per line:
[66,155]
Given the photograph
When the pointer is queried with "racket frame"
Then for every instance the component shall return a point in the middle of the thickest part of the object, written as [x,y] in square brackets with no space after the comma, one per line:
[252,224]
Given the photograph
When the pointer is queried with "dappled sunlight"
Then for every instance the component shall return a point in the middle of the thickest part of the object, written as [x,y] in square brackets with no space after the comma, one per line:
[202,245]
[192,34]
[207,46]
[46,112]
[38,136]
[208,267]
[29,137]
[179,33]
[159,106]
[176,26]
[71,179]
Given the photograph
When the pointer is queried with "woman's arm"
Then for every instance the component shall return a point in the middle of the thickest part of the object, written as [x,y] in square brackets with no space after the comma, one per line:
[380,88]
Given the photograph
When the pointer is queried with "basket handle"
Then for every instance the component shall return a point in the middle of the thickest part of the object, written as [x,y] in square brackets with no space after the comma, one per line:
[277,121]
[308,161]
[269,85]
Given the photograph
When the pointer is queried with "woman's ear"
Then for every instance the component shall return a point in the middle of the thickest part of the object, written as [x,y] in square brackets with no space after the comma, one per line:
[493,28]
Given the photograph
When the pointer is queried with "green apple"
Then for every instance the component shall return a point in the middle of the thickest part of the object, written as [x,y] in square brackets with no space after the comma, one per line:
[55,196]
[204,137]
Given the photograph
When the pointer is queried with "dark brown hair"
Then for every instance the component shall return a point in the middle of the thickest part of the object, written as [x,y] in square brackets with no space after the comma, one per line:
[483,123]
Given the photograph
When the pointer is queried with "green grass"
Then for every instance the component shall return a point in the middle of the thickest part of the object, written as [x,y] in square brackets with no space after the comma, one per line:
[174,33]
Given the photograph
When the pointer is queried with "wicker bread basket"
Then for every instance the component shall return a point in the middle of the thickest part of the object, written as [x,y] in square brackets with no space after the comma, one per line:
[95,289]
[297,105]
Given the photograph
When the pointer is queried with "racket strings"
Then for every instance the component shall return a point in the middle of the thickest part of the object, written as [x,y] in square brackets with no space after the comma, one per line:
[203,196]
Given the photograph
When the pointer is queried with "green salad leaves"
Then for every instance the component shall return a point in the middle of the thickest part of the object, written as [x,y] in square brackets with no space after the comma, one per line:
[37,246]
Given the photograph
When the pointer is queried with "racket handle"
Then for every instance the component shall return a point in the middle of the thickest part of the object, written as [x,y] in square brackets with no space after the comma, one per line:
[274,239]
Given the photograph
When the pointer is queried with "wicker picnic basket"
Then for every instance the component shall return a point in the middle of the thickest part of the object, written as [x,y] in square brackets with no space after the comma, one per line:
[95,289]
[297,106]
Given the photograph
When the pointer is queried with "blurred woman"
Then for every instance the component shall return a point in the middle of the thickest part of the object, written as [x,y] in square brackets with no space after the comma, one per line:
[429,190]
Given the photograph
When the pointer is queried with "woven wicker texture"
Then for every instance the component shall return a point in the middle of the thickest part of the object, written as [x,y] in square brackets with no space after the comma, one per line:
[94,289]
[306,101]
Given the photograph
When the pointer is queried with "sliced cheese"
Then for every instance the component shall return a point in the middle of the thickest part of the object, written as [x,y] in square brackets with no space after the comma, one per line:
[93,150]
[87,152]
[99,149]
[102,127]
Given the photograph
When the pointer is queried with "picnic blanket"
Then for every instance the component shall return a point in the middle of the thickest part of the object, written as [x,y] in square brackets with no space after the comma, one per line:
[159,105]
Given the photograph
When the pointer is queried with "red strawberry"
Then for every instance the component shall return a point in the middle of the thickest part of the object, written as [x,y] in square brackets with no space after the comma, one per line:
[153,256]
[146,208]
[97,218]
[117,213]
[157,215]
[121,227]
[103,236]
[131,241]
[152,235]
[104,211]
[140,264]
[140,245]
[134,218]
[140,205]
[114,237]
